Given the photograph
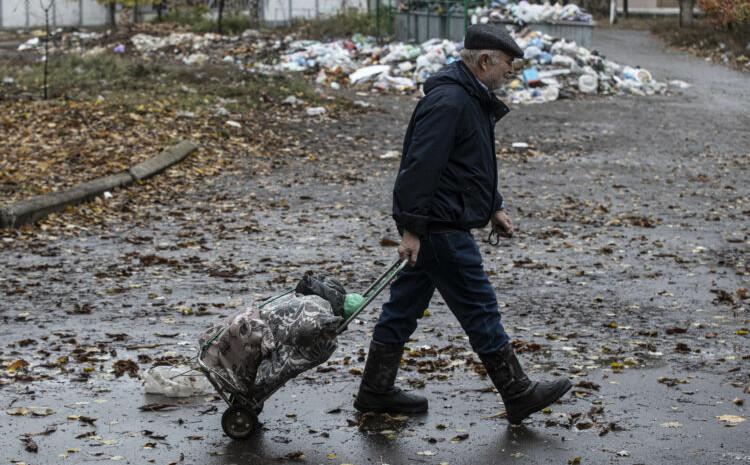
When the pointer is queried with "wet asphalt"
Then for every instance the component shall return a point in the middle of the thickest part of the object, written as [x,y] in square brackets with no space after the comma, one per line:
[633,219]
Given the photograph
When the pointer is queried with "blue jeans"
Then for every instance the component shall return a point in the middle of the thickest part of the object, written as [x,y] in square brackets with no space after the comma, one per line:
[451,263]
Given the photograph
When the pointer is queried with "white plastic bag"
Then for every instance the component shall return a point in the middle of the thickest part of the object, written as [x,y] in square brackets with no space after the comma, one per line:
[176,381]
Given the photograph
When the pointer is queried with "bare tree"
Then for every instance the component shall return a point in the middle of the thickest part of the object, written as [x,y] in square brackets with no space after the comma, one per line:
[49,6]
[221,14]
[112,4]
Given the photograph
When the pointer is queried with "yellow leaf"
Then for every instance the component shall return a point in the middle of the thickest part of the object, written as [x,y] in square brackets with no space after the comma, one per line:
[331,456]
[16,365]
[18,412]
[730,420]
[741,332]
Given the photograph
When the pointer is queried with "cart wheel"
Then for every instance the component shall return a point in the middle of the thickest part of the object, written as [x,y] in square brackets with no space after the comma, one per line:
[238,422]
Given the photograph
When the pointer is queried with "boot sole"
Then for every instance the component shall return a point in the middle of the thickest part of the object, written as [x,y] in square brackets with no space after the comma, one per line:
[365,409]
[518,418]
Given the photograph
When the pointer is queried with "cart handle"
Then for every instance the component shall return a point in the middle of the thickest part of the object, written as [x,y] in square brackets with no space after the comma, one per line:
[375,289]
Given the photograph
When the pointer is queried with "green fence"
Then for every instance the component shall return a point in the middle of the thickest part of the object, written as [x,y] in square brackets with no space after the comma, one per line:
[414,20]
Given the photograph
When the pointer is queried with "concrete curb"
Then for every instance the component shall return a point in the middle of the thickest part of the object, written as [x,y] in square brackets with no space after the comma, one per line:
[164,160]
[33,209]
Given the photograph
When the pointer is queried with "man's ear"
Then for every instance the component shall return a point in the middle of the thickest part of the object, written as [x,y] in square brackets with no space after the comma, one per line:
[483,60]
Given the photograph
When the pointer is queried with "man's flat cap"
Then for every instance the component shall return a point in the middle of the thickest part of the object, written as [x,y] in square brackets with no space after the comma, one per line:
[491,37]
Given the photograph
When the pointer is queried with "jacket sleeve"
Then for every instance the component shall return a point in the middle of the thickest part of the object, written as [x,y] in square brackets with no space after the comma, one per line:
[432,140]
[499,202]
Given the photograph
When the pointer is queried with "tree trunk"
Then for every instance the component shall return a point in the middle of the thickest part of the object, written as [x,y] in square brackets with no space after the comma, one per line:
[221,13]
[113,14]
[46,49]
[686,13]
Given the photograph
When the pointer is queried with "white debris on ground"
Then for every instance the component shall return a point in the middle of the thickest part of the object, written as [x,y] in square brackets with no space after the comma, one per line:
[69,41]
[554,68]
[531,13]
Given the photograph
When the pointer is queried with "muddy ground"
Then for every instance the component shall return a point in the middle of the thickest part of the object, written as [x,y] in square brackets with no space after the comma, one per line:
[626,275]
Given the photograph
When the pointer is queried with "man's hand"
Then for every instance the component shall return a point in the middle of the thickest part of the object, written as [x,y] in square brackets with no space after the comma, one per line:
[409,248]
[502,224]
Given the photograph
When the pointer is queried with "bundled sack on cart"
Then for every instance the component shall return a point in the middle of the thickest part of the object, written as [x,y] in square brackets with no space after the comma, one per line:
[268,344]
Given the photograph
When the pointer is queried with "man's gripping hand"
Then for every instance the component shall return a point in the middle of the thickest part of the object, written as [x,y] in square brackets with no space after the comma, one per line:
[409,248]
[502,224]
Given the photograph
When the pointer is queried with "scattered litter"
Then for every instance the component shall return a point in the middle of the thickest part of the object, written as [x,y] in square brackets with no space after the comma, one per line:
[195,59]
[176,381]
[315,111]
[291,100]
[526,12]
[368,72]
[588,84]
[520,145]
[9,80]
[679,84]
[233,124]
[390,155]
[554,68]
[30,44]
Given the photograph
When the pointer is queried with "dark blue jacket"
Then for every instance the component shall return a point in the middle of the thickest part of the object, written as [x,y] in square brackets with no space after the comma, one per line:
[448,172]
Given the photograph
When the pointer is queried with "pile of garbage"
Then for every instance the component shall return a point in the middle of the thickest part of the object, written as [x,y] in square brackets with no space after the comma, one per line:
[188,47]
[526,12]
[554,68]
[76,41]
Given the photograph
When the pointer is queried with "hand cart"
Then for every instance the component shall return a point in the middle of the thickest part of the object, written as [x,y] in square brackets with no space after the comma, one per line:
[240,419]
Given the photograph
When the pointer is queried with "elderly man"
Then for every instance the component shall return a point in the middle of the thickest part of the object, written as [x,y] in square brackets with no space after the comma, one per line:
[446,186]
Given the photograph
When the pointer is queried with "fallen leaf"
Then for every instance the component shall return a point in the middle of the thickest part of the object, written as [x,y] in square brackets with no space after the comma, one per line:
[460,437]
[299,455]
[156,407]
[730,420]
[29,444]
[671,424]
[17,365]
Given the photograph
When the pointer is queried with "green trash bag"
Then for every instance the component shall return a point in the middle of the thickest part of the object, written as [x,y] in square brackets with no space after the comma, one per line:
[352,302]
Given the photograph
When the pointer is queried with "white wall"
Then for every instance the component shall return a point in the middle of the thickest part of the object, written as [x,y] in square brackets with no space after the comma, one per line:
[275,11]
[29,13]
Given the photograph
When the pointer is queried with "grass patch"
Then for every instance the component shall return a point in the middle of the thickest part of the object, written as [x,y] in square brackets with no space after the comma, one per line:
[199,20]
[129,80]
[342,25]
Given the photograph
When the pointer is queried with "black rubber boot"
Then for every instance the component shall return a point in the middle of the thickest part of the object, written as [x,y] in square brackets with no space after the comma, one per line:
[377,392]
[521,396]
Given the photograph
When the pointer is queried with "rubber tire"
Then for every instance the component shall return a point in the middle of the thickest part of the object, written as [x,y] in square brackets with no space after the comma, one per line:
[239,422]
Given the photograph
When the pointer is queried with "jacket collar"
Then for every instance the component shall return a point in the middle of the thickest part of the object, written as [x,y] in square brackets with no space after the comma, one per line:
[488,99]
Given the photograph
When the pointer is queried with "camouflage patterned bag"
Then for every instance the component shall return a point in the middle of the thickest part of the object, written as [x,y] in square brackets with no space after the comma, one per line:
[260,349]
